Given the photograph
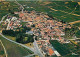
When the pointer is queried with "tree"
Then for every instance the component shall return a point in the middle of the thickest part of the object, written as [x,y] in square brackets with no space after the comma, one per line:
[70,32]
[23,38]
[8,32]
[33,25]
[11,11]
[78,34]
[20,37]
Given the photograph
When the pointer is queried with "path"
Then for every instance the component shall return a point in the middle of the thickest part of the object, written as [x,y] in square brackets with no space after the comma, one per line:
[29,55]
[20,5]
[4,48]
[65,11]
[74,22]
[74,39]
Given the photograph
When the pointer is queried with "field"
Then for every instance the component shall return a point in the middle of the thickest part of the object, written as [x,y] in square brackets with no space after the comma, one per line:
[7,7]
[15,50]
[77,24]
[60,48]
[66,11]
[1,51]
[73,49]
[65,49]
[10,37]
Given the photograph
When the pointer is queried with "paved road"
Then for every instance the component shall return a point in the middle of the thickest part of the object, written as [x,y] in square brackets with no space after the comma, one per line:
[3,18]
[29,55]
[20,5]
[37,50]
[17,43]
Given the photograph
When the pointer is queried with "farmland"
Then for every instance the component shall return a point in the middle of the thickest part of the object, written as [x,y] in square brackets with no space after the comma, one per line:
[77,24]
[64,49]
[14,50]
[60,48]
[7,7]
[1,50]
[66,11]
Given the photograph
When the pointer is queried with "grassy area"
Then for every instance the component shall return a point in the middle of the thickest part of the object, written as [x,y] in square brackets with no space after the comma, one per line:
[10,37]
[29,44]
[2,51]
[60,48]
[70,55]
[23,23]
[78,34]
[7,7]
[15,50]
[65,49]
[61,6]
[73,49]
[77,24]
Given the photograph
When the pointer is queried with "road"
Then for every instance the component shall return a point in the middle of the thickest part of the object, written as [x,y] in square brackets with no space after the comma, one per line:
[74,22]
[3,18]
[29,55]
[37,50]
[17,43]
[20,5]
[4,49]
[74,39]
[8,25]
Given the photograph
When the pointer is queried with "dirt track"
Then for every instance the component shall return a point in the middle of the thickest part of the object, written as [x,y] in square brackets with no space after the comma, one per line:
[74,22]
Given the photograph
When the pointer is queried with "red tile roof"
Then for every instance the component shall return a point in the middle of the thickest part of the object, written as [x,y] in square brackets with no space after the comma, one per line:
[50,51]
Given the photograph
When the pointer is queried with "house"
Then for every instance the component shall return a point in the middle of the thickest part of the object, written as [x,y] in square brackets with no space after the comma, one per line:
[50,51]
[29,32]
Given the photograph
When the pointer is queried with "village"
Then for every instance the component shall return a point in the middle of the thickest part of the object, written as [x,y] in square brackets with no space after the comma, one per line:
[42,26]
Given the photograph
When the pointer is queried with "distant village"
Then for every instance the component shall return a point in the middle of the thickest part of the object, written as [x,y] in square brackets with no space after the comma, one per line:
[44,28]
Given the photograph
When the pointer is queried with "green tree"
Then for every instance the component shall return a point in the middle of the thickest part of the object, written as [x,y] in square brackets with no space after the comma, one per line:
[20,37]
[78,34]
